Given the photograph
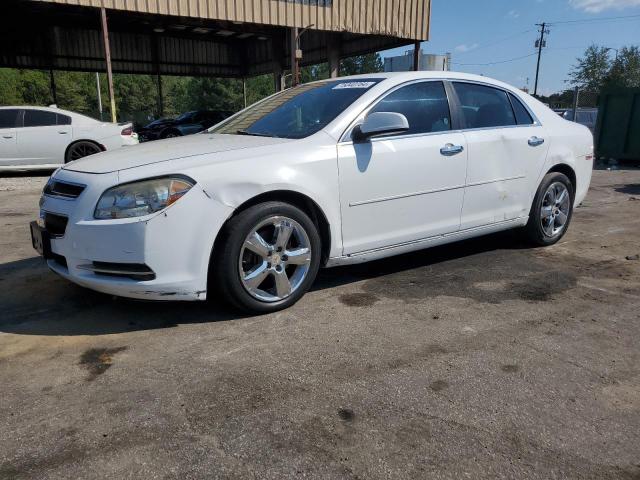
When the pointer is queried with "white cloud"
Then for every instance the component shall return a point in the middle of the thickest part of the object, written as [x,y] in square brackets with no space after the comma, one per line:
[597,6]
[466,48]
[513,14]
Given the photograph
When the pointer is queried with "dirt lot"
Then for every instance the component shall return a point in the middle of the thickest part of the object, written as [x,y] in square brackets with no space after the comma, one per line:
[484,359]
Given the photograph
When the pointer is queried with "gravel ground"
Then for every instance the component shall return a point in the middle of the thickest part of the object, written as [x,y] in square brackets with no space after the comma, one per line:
[483,359]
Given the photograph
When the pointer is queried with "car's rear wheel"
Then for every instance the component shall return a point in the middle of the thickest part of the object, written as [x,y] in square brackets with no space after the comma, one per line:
[268,257]
[81,149]
[551,210]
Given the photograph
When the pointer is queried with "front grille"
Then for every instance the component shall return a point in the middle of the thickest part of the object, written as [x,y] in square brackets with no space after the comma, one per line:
[135,271]
[63,189]
[55,224]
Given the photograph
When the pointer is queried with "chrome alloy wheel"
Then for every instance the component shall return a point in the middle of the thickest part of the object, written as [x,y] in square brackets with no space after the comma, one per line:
[555,209]
[275,259]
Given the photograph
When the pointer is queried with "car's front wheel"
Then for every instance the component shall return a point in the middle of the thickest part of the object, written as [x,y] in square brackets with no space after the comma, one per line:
[268,257]
[551,210]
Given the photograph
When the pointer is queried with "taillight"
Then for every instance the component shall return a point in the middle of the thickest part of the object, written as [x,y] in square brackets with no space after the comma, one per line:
[127,131]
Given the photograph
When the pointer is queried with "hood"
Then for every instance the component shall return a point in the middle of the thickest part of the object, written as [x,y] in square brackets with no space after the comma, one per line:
[169,149]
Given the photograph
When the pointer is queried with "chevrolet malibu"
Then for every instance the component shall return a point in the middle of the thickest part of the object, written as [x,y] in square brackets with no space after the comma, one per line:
[329,173]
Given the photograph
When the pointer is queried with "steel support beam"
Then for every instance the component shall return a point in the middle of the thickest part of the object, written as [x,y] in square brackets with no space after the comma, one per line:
[54,94]
[333,56]
[277,54]
[107,58]
[293,46]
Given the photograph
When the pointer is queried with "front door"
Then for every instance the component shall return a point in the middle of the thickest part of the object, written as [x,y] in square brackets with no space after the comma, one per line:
[402,188]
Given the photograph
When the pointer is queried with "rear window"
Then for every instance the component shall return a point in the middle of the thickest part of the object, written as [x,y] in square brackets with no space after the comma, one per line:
[39,118]
[522,115]
[63,119]
[484,107]
[8,118]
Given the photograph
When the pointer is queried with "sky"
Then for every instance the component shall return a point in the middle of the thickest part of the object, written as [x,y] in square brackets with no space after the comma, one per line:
[490,31]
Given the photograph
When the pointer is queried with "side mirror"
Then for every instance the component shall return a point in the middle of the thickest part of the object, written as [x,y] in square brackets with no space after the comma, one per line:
[380,123]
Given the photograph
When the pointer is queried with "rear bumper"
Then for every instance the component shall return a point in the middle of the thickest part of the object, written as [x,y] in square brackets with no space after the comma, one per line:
[175,244]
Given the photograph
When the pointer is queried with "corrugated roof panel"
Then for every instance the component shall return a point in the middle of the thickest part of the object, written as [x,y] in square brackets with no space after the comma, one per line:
[407,19]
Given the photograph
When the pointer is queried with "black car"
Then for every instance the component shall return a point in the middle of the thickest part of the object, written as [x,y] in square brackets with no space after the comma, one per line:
[185,124]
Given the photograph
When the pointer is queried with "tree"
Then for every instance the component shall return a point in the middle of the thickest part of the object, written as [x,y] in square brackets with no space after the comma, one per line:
[625,71]
[369,63]
[558,100]
[259,87]
[592,69]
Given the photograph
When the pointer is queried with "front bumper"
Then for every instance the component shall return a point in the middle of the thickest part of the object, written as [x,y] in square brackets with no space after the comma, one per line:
[175,243]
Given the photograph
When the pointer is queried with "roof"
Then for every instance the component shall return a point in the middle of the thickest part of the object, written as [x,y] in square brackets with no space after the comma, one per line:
[408,19]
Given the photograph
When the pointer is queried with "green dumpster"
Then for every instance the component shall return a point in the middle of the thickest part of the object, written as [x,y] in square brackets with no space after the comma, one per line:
[617,132]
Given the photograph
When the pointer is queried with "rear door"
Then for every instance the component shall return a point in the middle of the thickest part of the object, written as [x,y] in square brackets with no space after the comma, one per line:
[507,149]
[43,137]
[8,144]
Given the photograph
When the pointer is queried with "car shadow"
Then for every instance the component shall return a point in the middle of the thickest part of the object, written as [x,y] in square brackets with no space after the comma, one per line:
[629,189]
[27,173]
[35,301]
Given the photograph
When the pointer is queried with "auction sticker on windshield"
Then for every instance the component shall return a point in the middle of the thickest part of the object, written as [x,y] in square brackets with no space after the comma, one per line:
[353,85]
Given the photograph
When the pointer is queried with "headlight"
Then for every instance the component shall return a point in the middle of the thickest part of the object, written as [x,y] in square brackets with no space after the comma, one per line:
[141,198]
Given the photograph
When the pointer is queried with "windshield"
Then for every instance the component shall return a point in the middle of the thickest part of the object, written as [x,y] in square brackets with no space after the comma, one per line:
[298,112]
[186,117]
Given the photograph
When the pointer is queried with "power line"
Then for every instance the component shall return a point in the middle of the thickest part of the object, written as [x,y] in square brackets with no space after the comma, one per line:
[494,63]
[496,42]
[594,20]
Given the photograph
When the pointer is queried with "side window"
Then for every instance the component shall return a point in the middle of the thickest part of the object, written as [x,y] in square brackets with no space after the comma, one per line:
[8,118]
[424,104]
[63,119]
[522,115]
[39,118]
[483,106]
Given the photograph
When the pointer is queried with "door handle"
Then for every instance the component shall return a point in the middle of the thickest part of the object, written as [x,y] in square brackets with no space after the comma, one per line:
[450,149]
[535,141]
[7,136]
[63,132]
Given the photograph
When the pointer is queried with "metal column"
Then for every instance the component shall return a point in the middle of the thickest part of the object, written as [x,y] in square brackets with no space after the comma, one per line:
[107,58]
[416,56]
[333,55]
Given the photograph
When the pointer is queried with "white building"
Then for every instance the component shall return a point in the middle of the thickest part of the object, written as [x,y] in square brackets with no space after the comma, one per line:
[427,61]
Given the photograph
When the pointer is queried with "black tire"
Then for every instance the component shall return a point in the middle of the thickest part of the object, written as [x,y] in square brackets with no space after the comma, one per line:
[534,231]
[81,149]
[225,274]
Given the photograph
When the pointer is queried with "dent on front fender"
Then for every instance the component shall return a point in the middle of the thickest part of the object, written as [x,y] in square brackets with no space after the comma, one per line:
[236,194]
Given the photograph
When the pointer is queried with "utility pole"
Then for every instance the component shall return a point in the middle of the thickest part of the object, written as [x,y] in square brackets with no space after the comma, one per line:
[541,43]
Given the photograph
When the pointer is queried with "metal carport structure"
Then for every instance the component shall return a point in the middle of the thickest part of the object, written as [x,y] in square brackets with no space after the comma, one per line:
[218,38]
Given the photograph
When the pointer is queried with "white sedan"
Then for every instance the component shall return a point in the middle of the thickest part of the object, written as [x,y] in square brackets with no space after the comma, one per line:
[329,173]
[46,137]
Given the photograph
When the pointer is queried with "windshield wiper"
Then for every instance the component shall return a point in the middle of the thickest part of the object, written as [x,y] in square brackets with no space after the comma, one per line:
[253,134]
